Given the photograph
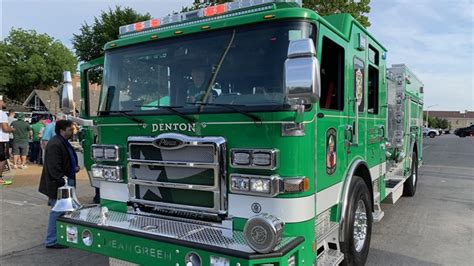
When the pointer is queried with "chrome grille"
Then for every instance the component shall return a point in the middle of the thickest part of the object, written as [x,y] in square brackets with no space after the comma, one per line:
[177,171]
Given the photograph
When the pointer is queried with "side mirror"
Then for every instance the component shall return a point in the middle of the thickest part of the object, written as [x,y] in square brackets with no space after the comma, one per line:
[67,99]
[302,74]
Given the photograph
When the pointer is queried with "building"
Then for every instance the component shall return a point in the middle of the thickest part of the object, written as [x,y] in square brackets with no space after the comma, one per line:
[455,119]
[49,100]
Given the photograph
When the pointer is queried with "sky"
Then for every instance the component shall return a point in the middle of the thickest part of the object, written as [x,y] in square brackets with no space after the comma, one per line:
[434,38]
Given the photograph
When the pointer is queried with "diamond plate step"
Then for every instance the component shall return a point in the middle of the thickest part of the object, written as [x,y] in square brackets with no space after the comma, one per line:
[205,235]
[324,234]
[330,257]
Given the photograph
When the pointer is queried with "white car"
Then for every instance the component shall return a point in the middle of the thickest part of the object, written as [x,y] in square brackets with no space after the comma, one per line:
[430,132]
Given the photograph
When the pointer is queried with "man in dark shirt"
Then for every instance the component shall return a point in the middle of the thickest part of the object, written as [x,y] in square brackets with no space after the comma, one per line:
[60,160]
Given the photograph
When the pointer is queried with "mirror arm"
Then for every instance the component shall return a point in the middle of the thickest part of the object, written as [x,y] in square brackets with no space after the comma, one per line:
[299,116]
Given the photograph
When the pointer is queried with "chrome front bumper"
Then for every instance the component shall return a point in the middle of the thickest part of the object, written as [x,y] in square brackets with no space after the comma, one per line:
[205,237]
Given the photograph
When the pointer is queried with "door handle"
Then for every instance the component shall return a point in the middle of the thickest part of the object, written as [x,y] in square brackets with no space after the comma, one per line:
[382,128]
[348,135]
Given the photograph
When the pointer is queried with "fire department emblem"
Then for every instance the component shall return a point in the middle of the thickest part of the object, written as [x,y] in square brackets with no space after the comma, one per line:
[331,155]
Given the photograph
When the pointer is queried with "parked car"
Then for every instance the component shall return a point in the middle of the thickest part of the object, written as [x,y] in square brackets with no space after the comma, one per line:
[431,132]
[465,131]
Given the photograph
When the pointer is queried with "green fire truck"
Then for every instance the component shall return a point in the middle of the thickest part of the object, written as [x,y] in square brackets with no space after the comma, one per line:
[254,132]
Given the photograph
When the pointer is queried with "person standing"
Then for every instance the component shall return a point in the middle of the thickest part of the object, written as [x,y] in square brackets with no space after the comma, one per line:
[36,146]
[60,160]
[5,129]
[21,137]
[49,131]
[11,118]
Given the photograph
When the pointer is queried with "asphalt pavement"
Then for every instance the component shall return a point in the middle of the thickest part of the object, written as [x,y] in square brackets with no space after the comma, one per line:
[435,227]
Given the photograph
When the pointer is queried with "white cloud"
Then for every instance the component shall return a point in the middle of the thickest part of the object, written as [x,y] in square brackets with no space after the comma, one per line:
[435,39]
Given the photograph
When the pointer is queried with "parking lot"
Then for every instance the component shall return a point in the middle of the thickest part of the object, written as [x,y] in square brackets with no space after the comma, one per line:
[435,227]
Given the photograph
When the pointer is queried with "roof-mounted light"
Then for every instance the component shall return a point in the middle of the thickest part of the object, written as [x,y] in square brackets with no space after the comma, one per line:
[200,14]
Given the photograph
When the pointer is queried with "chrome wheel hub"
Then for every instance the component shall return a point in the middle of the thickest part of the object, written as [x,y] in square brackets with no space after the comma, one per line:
[414,177]
[360,226]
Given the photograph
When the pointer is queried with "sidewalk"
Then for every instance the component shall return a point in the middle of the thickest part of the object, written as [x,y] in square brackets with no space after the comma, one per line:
[23,219]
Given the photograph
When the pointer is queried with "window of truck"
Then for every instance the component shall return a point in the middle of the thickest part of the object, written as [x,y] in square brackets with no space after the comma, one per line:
[244,65]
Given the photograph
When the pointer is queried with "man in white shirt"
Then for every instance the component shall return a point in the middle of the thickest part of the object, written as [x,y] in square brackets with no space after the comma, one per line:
[5,129]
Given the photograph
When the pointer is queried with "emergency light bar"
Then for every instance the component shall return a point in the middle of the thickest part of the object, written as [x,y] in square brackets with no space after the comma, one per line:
[253,5]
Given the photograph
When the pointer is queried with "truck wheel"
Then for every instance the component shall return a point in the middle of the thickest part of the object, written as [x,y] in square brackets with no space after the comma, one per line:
[409,187]
[432,134]
[358,225]
[462,135]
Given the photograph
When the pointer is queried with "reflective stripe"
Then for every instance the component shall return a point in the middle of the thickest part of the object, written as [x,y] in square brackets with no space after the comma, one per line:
[289,210]
[328,197]
[114,191]
[378,171]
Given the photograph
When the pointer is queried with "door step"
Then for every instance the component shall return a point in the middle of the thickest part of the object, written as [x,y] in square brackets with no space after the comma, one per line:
[377,214]
[326,233]
[327,240]
[330,257]
[393,189]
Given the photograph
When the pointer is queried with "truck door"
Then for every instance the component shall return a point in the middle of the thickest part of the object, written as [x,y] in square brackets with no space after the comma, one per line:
[91,86]
[376,115]
[331,119]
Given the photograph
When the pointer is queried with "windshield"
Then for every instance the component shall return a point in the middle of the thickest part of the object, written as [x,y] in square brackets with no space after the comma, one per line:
[239,66]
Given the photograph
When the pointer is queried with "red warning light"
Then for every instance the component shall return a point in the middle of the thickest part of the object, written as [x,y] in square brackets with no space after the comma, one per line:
[138,26]
[155,23]
[215,10]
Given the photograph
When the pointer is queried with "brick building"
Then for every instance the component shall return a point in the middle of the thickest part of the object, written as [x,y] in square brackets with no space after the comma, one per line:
[455,119]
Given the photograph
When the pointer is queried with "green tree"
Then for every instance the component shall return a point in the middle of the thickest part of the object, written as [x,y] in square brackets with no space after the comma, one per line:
[89,43]
[358,9]
[444,124]
[29,61]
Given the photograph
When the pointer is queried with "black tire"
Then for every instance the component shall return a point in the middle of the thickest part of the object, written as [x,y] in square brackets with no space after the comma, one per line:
[409,187]
[358,193]
[462,134]
[432,135]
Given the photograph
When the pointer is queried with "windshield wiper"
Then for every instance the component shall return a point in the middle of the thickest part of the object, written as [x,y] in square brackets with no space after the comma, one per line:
[125,114]
[173,110]
[232,107]
[217,69]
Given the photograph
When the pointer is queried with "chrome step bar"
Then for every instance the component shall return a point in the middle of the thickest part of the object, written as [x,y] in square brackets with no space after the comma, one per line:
[327,240]
[377,214]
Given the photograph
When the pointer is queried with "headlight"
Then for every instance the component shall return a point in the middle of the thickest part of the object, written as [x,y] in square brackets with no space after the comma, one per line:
[260,185]
[255,184]
[109,173]
[267,186]
[263,232]
[240,183]
[105,152]
[254,158]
